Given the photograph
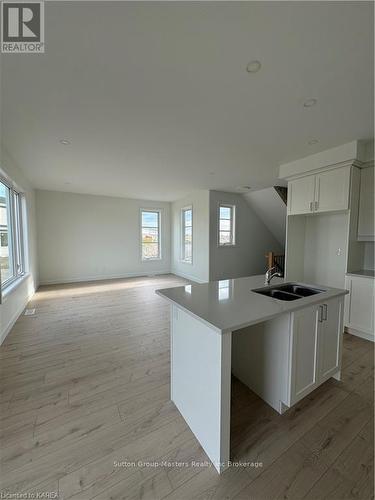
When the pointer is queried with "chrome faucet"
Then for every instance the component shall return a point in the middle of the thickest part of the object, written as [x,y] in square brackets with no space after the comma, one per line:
[271,273]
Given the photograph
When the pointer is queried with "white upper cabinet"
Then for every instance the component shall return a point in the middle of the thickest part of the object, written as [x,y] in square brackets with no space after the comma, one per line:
[366,205]
[323,192]
[332,190]
[301,193]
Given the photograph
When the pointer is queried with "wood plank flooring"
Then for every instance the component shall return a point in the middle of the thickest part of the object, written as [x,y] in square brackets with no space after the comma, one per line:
[84,401]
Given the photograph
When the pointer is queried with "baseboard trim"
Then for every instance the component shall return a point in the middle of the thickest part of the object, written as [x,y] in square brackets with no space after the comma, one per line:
[7,329]
[362,335]
[188,277]
[82,279]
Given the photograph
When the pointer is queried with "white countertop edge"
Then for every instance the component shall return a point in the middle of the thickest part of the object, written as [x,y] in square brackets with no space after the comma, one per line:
[307,301]
[360,274]
[199,318]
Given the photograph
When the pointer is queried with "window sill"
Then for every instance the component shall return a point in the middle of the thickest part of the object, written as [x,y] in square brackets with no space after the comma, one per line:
[227,246]
[152,260]
[13,286]
[190,262]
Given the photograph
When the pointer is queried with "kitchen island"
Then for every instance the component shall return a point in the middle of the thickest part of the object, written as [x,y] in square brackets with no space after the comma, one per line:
[281,349]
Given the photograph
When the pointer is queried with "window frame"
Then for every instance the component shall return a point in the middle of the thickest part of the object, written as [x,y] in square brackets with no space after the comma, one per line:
[232,231]
[16,233]
[182,235]
[159,212]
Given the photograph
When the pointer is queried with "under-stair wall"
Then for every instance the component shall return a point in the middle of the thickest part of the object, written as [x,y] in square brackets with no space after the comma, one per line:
[270,206]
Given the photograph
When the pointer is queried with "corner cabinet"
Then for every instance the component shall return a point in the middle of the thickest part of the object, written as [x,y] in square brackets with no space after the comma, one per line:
[322,192]
[316,340]
[359,306]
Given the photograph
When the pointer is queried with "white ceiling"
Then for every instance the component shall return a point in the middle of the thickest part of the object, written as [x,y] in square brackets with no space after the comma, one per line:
[156,100]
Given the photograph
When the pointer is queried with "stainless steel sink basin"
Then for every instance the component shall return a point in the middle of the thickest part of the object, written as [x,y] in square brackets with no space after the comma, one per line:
[288,291]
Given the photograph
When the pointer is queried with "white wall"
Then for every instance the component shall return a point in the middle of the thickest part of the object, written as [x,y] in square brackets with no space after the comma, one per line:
[253,240]
[325,249]
[15,300]
[271,210]
[86,237]
[199,269]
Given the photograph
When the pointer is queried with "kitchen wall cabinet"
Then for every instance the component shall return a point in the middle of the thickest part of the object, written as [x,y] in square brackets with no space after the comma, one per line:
[366,206]
[332,190]
[359,306]
[322,192]
[301,193]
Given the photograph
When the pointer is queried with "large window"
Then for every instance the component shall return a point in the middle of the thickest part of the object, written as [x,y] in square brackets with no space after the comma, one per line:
[187,234]
[150,234]
[226,229]
[11,240]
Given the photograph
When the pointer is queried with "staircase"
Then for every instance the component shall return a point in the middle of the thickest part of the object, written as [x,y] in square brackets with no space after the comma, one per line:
[275,260]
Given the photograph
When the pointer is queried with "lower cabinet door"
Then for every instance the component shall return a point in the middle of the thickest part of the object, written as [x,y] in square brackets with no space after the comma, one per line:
[304,352]
[360,304]
[330,338]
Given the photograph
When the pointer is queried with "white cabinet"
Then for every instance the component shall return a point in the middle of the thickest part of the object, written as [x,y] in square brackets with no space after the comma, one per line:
[323,192]
[332,190]
[330,336]
[316,338]
[359,306]
[301,194]
[284,359]
[304,336]
[366,205]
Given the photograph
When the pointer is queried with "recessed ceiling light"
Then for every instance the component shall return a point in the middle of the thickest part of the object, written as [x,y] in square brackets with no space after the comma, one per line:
[253,67]
[309,103]
[313,141]
[64,142]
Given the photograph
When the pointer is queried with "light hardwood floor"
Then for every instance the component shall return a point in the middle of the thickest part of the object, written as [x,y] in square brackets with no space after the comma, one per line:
[85,386]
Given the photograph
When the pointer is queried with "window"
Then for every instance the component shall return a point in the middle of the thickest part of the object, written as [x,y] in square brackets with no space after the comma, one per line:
[226,234]
[11,241]
[187,234]
[150,234]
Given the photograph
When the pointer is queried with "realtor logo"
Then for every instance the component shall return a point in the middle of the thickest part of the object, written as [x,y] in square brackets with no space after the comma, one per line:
[22,27]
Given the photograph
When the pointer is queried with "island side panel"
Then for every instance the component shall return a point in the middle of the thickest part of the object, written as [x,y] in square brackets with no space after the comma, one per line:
[200,382]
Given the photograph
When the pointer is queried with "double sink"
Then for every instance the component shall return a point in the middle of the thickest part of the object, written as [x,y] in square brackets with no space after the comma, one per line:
[288,291]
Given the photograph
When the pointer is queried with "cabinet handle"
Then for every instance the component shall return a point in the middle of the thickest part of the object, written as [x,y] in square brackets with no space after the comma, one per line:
[311,206]
[316,205]
[325,315]
[320,314]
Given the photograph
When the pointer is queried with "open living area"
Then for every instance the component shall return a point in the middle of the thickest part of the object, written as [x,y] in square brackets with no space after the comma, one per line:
[187,250]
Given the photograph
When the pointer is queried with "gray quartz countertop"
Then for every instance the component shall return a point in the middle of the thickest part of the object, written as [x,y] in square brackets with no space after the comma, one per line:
[229,305]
